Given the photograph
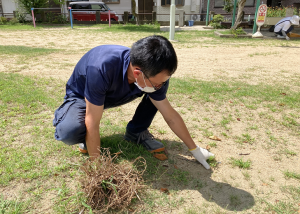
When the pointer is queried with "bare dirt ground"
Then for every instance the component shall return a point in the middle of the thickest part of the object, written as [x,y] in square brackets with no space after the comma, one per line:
[262,62]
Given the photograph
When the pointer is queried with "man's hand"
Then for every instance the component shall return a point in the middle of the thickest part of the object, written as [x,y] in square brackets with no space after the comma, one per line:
[202,155]
[92,121]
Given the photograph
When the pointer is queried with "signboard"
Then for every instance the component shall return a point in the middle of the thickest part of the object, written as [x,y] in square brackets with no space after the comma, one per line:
[261,15]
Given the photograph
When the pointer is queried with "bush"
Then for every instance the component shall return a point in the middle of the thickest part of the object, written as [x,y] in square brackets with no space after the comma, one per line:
[50,17]
[216,21]
[3,20]
[21,16]
[238,31]
[28,4]
[279,11]
[61,19]
[13,21]
[228,6]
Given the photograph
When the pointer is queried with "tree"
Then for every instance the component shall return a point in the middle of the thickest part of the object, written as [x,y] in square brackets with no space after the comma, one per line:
[241,5]
[228,6]
[28,4]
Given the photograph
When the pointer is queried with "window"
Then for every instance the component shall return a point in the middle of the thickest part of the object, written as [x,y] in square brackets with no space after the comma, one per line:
[81,6]
[219,3]
[168,2]
[111,1]
[179,2]
[249,3]
[97,7]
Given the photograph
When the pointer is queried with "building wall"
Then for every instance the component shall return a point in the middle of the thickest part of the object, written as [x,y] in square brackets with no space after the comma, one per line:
[287,3]
[188,9]
[125,5]
[8,7]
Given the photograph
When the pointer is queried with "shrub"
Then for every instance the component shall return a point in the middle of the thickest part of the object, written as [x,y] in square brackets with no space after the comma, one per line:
[13,21]
[228,6]
[21,16]
[50,17]
[61,19]
[216,21]
[279,11]
[3,20]
[28,4]
[238,31]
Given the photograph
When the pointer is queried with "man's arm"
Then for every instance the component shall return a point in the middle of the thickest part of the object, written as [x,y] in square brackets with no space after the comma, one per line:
[174,121]
[92,121]
[177,125]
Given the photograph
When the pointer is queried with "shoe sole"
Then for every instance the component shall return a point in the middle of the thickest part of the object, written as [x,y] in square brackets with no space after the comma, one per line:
[83,150]
[151,151]
[158,150]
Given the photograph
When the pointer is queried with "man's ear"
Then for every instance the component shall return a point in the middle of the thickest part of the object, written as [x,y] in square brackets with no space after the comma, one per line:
[136,73]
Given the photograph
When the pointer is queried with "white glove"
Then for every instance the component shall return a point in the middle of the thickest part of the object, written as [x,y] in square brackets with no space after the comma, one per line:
[202,155]
[287,38]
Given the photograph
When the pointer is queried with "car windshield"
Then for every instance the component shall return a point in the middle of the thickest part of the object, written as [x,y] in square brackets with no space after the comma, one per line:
[106,7]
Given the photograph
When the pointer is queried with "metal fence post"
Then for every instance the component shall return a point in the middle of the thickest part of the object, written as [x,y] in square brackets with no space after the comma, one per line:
[153,17]
[71,18]
[234,11]
[207,12]
[33,19]
[256,10]
[125,21]
[109,17]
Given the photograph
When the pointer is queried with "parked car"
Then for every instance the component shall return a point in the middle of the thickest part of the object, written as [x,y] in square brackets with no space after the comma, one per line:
[86,11]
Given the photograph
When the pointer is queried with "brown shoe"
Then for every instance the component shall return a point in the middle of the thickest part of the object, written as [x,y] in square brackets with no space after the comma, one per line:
[82,148]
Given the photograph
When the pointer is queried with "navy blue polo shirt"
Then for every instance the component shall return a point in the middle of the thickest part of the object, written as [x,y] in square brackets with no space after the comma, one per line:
[101,77]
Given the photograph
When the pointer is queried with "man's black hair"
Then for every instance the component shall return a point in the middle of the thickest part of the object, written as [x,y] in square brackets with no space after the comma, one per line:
[153,55]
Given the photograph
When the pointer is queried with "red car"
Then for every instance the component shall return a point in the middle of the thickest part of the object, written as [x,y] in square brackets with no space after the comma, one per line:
[86,11]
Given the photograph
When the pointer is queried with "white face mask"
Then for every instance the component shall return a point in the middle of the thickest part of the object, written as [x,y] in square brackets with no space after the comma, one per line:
[145,89]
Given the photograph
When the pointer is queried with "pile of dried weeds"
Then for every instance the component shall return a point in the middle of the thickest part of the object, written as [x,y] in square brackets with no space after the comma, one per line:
[109,185]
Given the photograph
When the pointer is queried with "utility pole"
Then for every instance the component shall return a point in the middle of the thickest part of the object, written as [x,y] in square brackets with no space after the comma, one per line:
[172,20]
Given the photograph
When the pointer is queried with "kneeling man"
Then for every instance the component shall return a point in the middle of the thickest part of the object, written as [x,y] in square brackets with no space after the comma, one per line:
[109,76]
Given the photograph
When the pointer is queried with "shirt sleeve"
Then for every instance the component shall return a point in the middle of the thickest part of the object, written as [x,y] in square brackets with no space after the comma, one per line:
[286,25]
[160,94]
[96,85]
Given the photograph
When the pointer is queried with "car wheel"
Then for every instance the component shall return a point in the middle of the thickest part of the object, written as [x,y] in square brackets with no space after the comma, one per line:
[112,20]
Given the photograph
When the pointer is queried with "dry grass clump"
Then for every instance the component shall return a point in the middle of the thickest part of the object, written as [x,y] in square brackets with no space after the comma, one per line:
[109,185]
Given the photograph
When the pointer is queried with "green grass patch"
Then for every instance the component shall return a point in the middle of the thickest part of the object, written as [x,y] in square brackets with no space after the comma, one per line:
[240,163]
[284,207]
[289,174]
[150,28]
[212,91]
[293,191]
[245,138]
[212,161]
[12,206]
[23,50]
[19,27]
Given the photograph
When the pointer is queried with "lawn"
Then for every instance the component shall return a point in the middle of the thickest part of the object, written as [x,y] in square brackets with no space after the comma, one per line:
[242,91]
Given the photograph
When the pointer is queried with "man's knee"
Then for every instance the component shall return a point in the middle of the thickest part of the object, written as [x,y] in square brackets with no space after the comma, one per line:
[70,134]
[69,121]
